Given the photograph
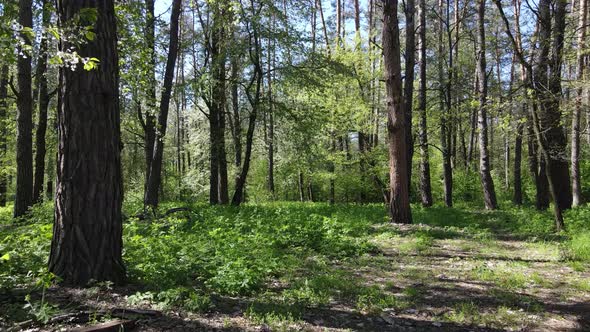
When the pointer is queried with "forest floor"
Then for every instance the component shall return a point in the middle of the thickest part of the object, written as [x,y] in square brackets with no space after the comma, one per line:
[457,271]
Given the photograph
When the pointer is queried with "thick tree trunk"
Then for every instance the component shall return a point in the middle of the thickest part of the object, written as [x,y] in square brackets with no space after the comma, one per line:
[425,184]
[24,118]
[155,179]
[487,182]
[42,104]
[399,205]
[3,132]
[87,235]
[577,115]
[237,124]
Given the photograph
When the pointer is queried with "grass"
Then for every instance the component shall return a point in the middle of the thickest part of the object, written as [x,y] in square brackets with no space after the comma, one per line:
[287,260]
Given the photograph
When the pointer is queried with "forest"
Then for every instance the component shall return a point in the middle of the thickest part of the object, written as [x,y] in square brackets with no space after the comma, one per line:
[294,165]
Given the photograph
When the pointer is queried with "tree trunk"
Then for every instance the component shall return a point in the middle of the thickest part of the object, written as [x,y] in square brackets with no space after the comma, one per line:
[271,125]
[24,118]
[254,100]
[324,28]
[218,183]
[87,233]
[537,168]
[445,118]
[577,115]
[149,126]
[487,182]
[399,205]
[3,132]
[517,198]
[410,9]
[155,178]
[237,124]
[43,104]
[301,185]
[425,185]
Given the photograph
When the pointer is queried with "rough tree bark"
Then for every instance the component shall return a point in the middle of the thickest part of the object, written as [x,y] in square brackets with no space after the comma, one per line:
[425,184]
[43,99]
[87,233]
[487,182]
[410,52]
[399,204]
[151,198]
[24,117]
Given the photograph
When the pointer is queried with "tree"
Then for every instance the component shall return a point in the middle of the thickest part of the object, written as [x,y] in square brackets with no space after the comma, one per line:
[577,115]
[43,98]
[425,186]
[149,124]
[87,233]
[218,163]
[445,116]
[155,177]
[544,80]
[399,204]
[410,56]
[487,182]
[253,93]
[3,114]
[24,117]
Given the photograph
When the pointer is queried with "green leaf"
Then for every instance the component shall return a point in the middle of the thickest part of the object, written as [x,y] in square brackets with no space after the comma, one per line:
[5,257]
[90,35]
[54,32]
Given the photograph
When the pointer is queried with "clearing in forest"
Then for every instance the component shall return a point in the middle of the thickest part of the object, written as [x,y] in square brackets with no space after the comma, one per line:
[314,267]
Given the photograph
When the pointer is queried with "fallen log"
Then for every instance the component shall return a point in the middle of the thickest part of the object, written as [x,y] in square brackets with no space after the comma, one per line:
[112,326]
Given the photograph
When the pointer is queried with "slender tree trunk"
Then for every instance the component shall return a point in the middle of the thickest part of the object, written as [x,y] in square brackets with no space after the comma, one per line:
[155,179]
[301,185]
[410,9]
[218,183]
[577,115]
[324,28]
[149,126]
[338,22]
[399,205]
[3,132]
[487,182]
[87,233]
[425,185]
[313,24]
[42,104]
[24,118]
[237,124]
[517,198]
[271,125]
[255,54]
[445,118]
